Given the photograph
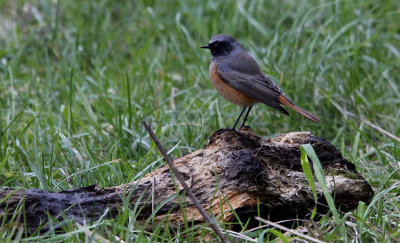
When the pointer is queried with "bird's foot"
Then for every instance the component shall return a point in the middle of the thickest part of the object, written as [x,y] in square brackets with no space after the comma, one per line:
[231,129]
[244,127]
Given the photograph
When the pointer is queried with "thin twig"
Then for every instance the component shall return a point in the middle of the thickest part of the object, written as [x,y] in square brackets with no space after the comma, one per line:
[288,230]
[307,225]
[368,123]
[90,234]
[319,232]
[181,180]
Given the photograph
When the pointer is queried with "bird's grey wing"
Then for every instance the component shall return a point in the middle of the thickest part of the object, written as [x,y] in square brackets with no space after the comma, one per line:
[243,74]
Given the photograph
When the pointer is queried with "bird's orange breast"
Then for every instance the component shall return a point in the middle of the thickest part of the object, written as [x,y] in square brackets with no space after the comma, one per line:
[227,91]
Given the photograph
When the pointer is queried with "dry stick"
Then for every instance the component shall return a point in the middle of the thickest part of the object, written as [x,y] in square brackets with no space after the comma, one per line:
[319,232]
[288,230]
[183,183]
[381,130]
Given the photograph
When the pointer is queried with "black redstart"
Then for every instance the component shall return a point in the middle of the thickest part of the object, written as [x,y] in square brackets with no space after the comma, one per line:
[238,78]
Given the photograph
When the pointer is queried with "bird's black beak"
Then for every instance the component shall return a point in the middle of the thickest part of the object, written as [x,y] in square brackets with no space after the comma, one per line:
[206,47]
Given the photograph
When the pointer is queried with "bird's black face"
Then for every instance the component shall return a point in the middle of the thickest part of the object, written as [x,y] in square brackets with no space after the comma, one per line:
[220,47]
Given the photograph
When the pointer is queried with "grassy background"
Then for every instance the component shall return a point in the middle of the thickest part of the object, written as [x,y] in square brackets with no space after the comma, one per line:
[78,77]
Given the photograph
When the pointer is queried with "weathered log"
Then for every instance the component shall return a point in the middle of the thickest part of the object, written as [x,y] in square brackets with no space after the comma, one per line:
[235,170]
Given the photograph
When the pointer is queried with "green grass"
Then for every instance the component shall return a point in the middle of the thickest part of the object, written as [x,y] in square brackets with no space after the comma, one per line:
[78,77]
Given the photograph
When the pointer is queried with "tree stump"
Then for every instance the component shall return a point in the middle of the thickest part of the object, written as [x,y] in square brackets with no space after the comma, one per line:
[235,170]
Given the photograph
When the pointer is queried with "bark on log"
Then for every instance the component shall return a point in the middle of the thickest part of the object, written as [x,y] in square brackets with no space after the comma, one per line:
[235,170]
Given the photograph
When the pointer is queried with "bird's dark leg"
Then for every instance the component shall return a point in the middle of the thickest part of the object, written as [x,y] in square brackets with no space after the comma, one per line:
[245,118]
[241,113]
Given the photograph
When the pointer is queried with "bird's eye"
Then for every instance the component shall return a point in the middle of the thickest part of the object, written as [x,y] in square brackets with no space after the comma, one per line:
[221,43]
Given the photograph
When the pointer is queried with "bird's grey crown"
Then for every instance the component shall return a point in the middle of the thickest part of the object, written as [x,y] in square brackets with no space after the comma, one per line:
[222,38]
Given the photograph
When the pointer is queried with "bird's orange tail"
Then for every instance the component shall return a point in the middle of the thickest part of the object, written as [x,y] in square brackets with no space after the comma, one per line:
[285,101]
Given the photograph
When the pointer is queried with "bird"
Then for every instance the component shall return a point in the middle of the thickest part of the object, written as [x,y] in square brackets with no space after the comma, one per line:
[238,78]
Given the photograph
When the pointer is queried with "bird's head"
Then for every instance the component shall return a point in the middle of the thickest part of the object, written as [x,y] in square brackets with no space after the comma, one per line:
[221,45]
